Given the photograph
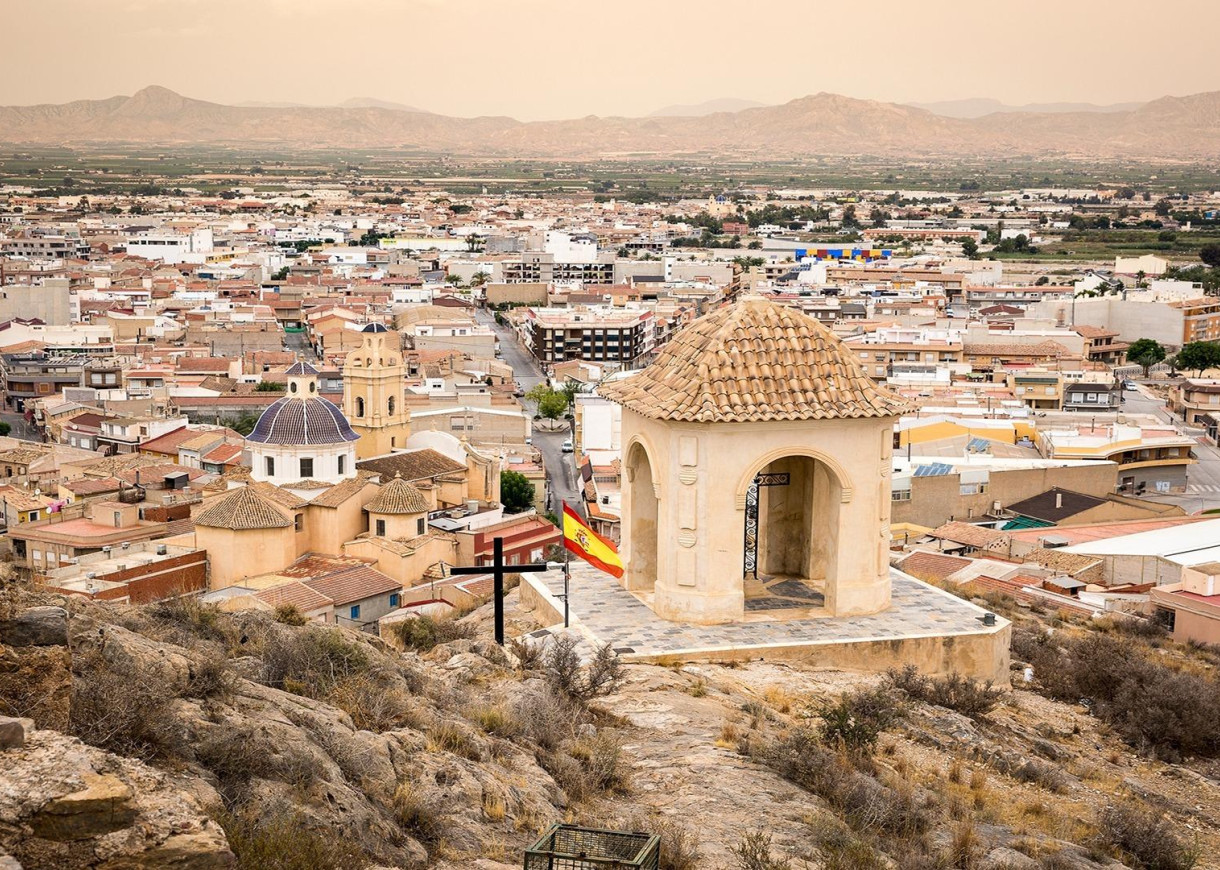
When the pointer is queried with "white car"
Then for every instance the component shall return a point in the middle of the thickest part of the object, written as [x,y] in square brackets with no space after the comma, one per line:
[567,445]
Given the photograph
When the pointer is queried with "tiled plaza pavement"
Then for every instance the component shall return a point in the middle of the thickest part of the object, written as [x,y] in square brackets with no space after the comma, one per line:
[617,617]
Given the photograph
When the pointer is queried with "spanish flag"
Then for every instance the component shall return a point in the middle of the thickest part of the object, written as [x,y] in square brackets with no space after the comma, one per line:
[589,545]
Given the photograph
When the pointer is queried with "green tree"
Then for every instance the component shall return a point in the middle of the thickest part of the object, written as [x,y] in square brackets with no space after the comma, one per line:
[553,405]
[5,428]
[1210,254]
[1198,356]
[970,248]
[516,492]
[280,274]
[1146,353]
[270,387]
[849,218]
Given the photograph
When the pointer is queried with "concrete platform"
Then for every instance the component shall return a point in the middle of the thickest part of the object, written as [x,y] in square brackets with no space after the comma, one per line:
[924,626]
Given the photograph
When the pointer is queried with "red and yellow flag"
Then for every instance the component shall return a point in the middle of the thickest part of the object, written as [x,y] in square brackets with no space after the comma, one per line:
[589,545]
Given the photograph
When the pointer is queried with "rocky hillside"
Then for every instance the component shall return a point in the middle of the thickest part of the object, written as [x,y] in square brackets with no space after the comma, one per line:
[177,736]
[820,124]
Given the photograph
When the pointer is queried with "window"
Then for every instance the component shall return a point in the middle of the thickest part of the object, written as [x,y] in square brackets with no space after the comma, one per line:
[306,467]
[972,488]
[395,598]
[298,522]
[270,466]
[343,465]
[390,406]
[118,519]
[421,526]
[355,611]
[900,495]
[359,406]
[1165,617]
[381,528]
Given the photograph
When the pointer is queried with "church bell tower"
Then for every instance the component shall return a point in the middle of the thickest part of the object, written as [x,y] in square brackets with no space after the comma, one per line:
[373,378]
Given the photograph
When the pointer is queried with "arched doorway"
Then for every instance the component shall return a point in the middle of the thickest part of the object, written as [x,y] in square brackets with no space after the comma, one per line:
[791,534]
[642,557]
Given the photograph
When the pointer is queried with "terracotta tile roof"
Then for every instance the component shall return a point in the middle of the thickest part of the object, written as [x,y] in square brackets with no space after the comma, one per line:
[1057,560]
[279,495]
[91,485]
[295,593]
[342,491]
[412,465]
[170,441]
[353,584]
[241,509]
[924,565]
[398,497]
[1044,349]
[754,361]
[970,535]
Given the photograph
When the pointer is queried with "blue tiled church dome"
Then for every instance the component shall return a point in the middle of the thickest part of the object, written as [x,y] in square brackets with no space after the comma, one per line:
[293,421]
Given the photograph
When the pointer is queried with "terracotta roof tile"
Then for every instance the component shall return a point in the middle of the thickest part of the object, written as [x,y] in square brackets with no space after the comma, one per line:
[412,465]
[750,362]
[398,497]
[241,509]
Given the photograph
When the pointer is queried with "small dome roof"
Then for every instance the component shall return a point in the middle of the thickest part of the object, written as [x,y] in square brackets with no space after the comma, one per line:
[301,369]
[292,421]
[754,361]
[240,510]
[374,327]
[398,497]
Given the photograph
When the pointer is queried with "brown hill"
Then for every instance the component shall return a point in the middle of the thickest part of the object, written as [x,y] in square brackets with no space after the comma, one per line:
[821,124]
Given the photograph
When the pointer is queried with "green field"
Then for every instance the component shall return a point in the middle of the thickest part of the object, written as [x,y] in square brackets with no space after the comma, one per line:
[214,169]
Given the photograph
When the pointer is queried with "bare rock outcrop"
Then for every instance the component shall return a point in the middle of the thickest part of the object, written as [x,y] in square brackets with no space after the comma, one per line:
[65,805]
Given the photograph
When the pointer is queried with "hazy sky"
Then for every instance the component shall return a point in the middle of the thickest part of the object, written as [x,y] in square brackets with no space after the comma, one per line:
[567,58]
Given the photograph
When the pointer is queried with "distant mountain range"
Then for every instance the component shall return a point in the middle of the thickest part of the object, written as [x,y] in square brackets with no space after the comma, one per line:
[980,106]
[708,107]
[821,124]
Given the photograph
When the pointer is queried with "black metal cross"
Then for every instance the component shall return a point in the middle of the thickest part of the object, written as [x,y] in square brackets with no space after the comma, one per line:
[497,569]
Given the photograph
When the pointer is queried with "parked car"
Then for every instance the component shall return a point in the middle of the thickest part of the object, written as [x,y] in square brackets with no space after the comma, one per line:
[567,445]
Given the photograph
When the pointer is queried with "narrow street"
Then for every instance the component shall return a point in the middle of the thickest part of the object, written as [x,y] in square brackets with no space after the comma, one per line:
[562,477]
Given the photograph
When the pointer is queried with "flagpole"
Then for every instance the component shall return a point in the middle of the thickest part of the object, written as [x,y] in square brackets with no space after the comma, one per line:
[567,559]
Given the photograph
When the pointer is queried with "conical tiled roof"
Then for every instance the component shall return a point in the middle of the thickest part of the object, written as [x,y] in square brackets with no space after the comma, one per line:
[242,509]
[398,497]
[754,361]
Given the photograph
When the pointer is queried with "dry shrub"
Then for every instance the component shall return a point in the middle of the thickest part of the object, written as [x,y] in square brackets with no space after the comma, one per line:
[954,692]
[588,768]
[122,708]
[423,633]
[451,737]
[679,843]
[857,719]
[188,619]
[528,655]
[210,677]
[286,842]
[1150,705]
[310,661]
[547,719]
[290,614]
[601,760]
[496,720]
[865,803]
[1144,838]
[1044,775]
[753,852]
[566,675]
[236,756]
[374,700]
[841,849]
[965,849]
[418,817]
